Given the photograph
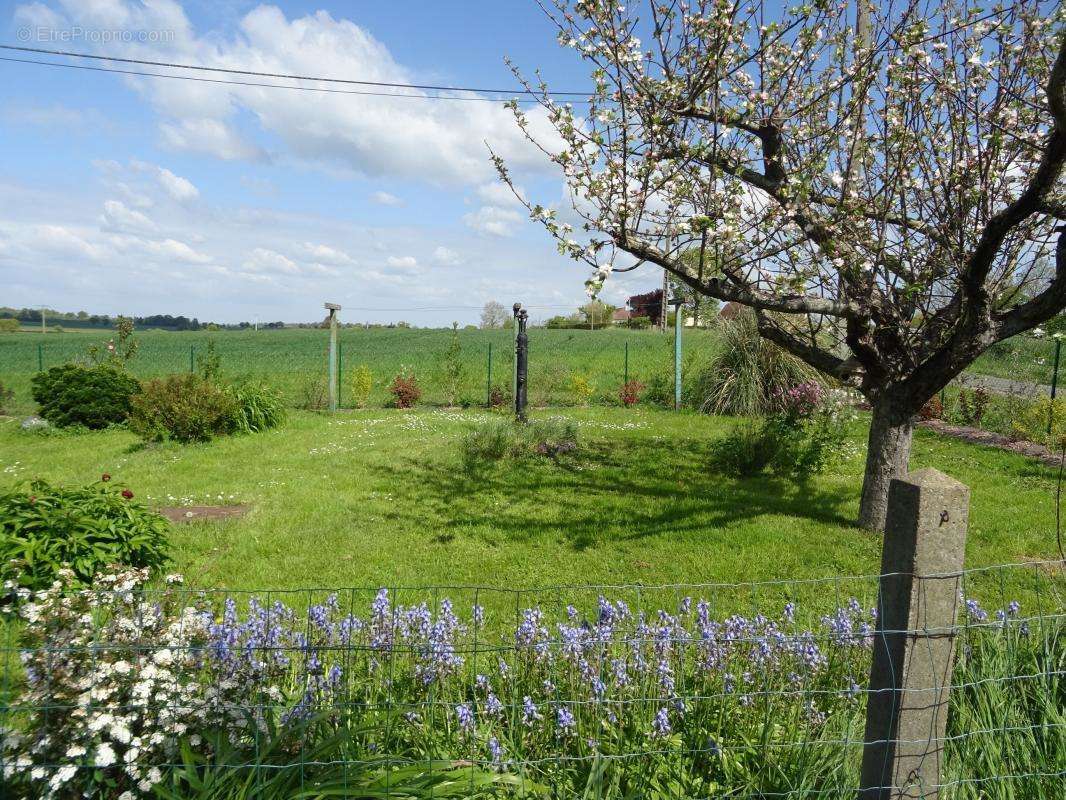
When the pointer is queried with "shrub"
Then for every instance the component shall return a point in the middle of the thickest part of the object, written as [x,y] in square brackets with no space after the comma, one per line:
[498,397]
[362,384]
[748,376]
[453,368]
[256,407]
[405,390]
[92,396]
[639,323]
[799,440]
[497,439]
[972,406]
[629,394]
[1031,422]
[745,451]
[183,408]
[119,353]
[314,394]
[933,409]
[582,387]
[44,528]
[9,325]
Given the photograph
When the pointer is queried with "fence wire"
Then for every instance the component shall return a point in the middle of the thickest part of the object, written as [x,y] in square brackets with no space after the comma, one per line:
[136,689]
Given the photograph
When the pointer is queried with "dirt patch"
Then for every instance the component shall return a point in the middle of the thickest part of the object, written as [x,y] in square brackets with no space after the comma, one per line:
[998,440]
[202,513]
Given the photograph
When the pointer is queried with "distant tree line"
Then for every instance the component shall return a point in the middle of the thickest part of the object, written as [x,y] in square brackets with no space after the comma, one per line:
[83,319]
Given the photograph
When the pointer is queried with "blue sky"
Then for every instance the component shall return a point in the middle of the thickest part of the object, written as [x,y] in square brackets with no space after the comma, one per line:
[139,195]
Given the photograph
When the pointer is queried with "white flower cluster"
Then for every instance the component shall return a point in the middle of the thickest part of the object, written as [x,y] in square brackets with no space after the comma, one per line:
[118,673]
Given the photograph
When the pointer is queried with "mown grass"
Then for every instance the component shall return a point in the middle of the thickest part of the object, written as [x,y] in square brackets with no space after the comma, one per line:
[379,498]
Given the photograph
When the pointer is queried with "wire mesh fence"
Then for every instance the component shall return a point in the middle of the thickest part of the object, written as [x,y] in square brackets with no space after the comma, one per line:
[566,366]
[680,691]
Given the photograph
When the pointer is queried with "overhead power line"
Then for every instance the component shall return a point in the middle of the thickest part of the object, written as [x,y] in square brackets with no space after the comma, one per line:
[286,76]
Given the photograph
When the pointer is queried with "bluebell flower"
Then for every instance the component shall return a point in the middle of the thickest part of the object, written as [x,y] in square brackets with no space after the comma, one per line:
[530,713]
[564,721]
[660,726]
[465,717]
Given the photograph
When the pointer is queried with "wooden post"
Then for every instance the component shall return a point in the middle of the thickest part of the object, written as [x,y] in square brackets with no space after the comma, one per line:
[333,308]
[921,576]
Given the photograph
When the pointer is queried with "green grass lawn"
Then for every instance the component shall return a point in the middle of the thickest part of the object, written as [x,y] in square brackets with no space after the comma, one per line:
[378,498]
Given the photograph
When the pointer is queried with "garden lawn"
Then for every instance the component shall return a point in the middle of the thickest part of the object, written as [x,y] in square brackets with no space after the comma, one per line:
[379,498]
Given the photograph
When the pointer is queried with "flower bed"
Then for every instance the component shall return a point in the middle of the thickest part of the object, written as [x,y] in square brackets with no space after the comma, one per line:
[128,692]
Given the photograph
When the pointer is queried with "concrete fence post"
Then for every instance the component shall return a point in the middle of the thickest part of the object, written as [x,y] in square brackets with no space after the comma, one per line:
[333,308]
[921,578]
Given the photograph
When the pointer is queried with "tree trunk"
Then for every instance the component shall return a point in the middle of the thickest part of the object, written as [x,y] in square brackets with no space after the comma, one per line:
[887,457]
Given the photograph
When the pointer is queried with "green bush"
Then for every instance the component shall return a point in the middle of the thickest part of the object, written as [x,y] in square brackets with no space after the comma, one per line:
[256,407]
[183,408]
[745,451]
[96,396]
[44,528]
[799,440]
[362,384]
[749,373]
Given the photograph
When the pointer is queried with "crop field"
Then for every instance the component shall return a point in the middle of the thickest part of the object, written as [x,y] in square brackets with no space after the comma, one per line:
[293,359]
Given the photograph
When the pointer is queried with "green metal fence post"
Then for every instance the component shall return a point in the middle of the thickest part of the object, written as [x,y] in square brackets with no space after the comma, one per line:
[192,358]
[1054,385]
[40,357]
[488,380]
[677,358]
[340,373]
[627,365]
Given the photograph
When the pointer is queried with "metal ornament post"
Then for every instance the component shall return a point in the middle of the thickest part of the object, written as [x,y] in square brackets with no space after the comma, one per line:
[333,308]
[677,303]
[517,307]
[1054,384]
[522,366]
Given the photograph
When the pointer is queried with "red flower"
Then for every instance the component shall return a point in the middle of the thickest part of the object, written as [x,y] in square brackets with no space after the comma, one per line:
[105,477]
[127,494]
[33,498]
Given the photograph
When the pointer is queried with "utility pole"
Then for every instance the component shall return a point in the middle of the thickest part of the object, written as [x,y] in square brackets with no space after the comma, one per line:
[333,308]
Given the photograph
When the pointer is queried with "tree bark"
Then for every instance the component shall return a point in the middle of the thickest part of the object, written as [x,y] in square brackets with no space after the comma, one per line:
[887,457]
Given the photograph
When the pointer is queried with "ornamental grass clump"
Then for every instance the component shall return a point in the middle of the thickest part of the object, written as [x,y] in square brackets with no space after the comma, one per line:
[142,692]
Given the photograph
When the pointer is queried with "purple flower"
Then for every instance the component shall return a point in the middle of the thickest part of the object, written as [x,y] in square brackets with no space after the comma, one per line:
[495,750]
[660,726]
[530,714]
[564,721]
[465,717]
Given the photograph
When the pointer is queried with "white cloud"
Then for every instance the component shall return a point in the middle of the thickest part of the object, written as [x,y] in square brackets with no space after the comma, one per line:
[386,199]
[117,216]
[208,136]
[498,194]
[405,263]
[493,220]
[181,189]
[440,141]
[446,256]
[262,259]
[326,254]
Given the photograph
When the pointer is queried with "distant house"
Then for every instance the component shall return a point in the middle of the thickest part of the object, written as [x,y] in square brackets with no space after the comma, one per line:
[621,316]
[731,310]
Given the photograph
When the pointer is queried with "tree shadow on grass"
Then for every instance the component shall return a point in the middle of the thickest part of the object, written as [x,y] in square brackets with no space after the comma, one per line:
[624,490]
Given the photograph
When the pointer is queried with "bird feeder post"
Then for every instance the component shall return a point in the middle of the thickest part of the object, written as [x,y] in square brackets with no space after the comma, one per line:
[333,308]
[677,303]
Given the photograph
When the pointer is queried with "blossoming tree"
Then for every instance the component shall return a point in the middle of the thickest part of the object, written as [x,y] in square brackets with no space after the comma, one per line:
[868,180]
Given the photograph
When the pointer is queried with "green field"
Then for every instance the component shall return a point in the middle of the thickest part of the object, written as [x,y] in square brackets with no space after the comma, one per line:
[289,359]
[378,497]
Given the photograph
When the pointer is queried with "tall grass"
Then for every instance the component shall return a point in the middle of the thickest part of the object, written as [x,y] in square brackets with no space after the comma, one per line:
[748,371]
